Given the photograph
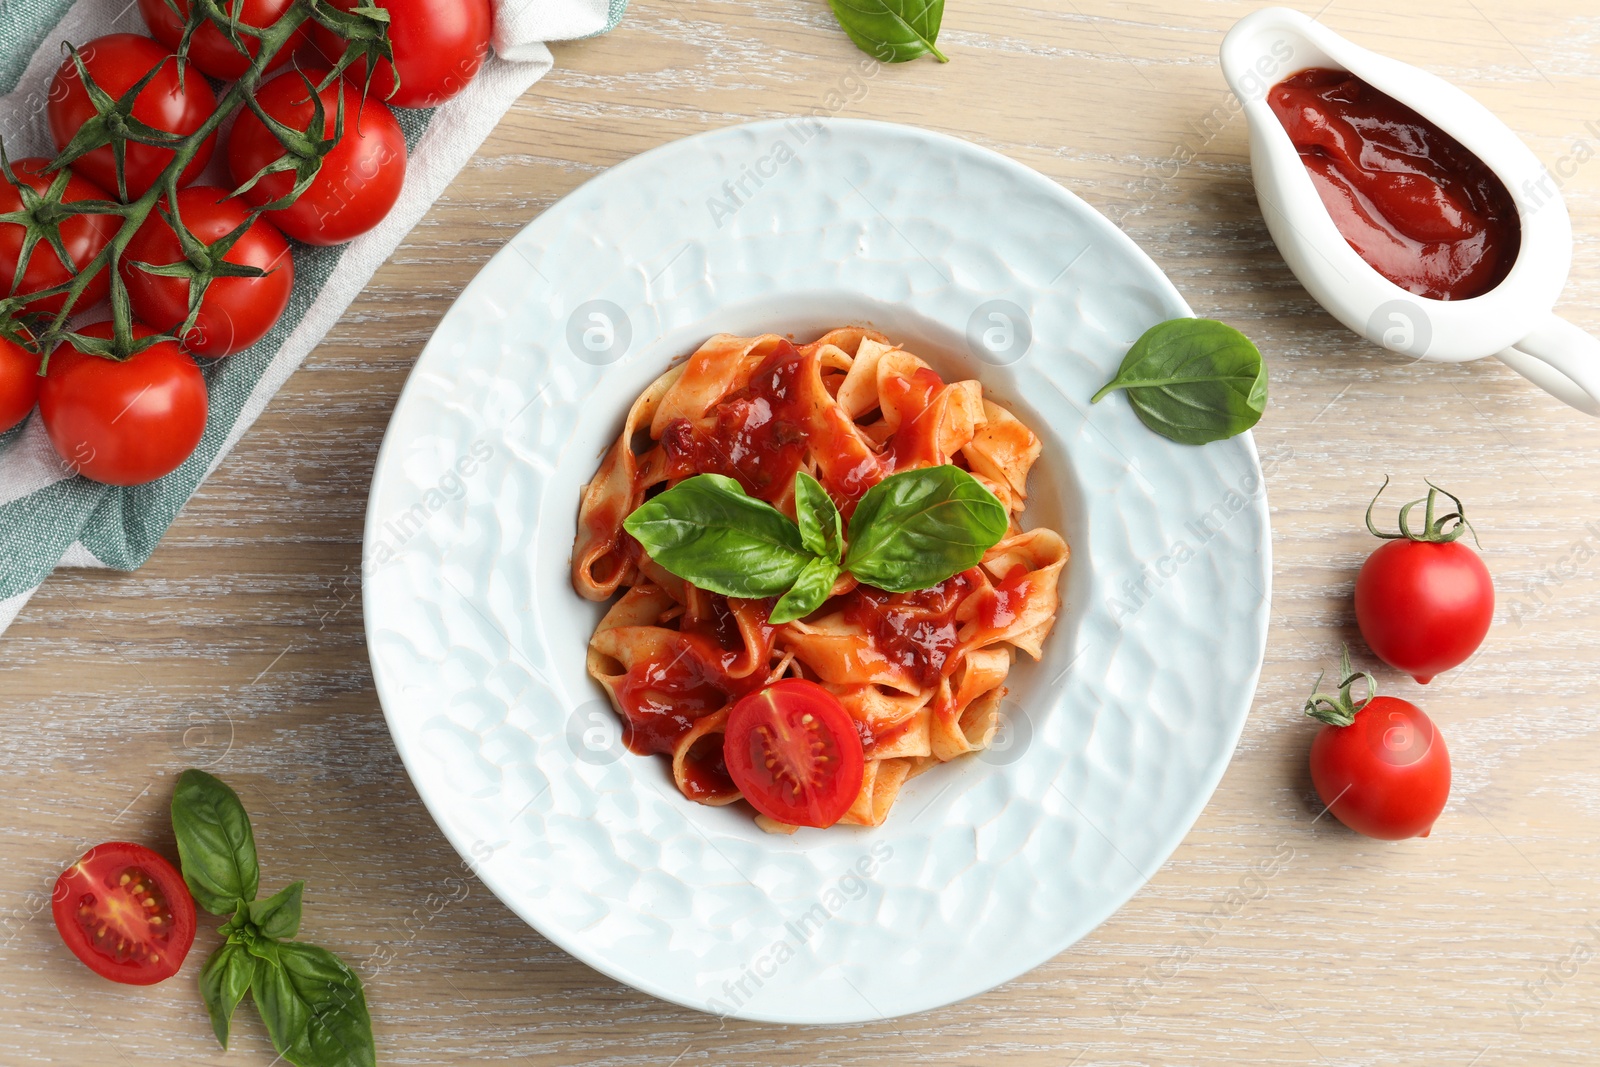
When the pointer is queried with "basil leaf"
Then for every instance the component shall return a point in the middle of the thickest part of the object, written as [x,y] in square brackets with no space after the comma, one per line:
[1193,380]
[215,845]
[278,916]
[916,528]
[821,529]
[224,981]
[708,531]
[807,593]
[312,1003]
[892,31]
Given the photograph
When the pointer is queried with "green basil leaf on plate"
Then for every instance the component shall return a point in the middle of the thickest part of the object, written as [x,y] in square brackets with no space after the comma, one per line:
[313,1005]
[708,531]
[1193,380]
[224,981]
[821,528]
[278,916]
[916,528]
[807,593]
[215,843]
[892,31]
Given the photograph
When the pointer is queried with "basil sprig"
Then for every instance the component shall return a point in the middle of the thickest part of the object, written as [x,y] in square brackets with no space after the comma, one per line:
[1193,380]
[911,531]
[892,31]
[311,1001]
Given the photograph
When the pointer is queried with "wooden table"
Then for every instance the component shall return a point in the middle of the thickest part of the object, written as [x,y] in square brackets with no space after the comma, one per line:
[240,645]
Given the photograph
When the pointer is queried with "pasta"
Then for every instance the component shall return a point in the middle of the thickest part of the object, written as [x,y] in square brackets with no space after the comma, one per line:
[922,674]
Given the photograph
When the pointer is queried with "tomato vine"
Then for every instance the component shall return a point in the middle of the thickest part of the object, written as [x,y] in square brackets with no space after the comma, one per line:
[365,31]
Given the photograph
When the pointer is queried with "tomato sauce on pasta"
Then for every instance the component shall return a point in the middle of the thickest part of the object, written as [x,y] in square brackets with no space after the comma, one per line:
[921,673]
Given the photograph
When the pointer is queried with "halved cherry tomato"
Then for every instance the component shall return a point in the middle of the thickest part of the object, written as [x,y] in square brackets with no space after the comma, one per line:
[794,753]
[116,62]
[123,423]
[125,912]
[83,236]
[235,313]
[19,383]
[360,178]
[209,48]
[438,47]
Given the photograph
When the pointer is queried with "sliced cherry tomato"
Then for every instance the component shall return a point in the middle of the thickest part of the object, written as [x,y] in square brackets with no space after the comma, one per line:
[209,48]
[794,753]
[1380,766]
[19,383]
[1424,599]
[123,423]
[235,313]
[83,236]
[438,47]
[360,178]
[125,912]
[116,62]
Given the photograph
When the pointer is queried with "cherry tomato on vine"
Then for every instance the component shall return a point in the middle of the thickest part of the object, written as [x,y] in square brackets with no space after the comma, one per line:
[235,313]
[126,913]
[360,177]
[1424,600]
[128,422]
[83,236]
[793,751]
[438,47]
[116,62]
[209,48]
[1380,766]
[19,383]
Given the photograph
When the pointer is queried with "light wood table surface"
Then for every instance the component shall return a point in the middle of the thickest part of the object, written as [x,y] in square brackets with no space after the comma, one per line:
[240,643]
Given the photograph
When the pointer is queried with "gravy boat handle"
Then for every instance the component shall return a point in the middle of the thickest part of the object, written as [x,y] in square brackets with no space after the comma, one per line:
[1561,359]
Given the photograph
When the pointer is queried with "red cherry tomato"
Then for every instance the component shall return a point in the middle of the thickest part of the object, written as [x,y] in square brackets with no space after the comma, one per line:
[116,62]
[438,47]
[794,753]
[19,383]
[123,423]
[360,178]
[125,912]
[209,48]
[235,313]
[1424,600]
[1386,775]
[83,236]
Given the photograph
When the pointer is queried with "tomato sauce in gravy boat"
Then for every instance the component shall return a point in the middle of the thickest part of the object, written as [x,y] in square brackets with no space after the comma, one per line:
[1514,321]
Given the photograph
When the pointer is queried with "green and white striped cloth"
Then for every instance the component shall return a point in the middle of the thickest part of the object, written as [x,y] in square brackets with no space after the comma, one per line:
[51,518]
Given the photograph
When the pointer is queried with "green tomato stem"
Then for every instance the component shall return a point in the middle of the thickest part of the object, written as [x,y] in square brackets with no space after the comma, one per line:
[1340,709]
[1441,531]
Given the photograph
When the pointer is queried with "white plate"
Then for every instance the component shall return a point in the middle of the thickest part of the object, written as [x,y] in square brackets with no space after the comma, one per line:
[987,866]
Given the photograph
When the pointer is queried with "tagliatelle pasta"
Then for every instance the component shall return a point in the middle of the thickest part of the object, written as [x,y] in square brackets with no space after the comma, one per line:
[922,674]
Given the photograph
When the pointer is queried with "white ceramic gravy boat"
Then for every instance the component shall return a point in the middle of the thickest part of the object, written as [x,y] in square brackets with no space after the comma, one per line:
[1513,321]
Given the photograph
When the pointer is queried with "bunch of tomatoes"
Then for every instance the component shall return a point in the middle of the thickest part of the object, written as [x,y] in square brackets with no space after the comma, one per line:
[166,272]
[1424,601]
